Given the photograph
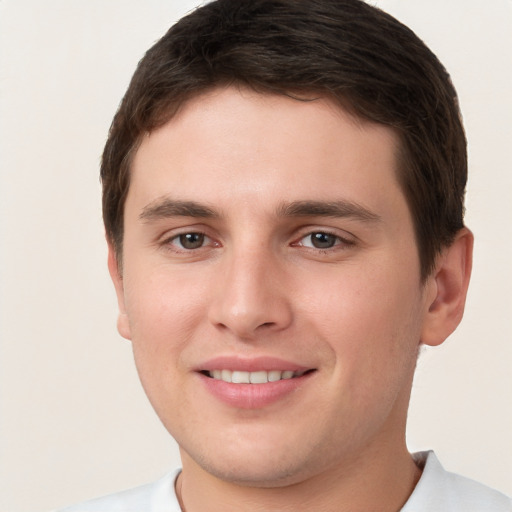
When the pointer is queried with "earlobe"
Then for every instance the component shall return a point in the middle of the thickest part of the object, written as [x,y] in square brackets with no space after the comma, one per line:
[449,284]
[123,325]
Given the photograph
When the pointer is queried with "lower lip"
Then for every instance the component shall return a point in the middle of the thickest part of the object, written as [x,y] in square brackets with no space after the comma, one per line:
[253,396]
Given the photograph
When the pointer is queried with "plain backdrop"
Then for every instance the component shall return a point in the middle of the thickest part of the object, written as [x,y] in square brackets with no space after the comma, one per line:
[74,422]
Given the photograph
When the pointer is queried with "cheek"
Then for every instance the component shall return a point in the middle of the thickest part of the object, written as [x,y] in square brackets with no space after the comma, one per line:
[164,312]
[162,299]
[168,315]
[371,320]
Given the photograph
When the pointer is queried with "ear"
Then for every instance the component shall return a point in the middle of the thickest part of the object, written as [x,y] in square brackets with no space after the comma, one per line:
[123,325]
[448,286]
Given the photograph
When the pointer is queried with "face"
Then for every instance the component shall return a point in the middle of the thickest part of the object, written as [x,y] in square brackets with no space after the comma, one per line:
[271,285]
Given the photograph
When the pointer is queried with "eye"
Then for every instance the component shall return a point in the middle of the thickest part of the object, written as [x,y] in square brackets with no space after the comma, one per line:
[190,241]
[325,241]
[320,240]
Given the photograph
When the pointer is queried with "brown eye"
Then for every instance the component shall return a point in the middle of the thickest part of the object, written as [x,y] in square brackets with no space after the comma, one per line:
[322,240]
[191,240]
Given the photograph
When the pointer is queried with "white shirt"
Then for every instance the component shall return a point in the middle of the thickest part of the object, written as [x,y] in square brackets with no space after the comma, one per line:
[437,491]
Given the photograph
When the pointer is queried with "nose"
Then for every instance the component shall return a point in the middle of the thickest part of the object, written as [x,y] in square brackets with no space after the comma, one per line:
[252,295]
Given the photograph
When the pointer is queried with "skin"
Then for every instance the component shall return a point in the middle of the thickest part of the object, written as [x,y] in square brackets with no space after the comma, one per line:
[355,312]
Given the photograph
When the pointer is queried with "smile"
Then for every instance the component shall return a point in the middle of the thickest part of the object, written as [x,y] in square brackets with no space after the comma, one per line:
[258,377]
[256,389]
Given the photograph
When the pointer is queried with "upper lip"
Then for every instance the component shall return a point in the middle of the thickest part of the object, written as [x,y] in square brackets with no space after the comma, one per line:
[254,364]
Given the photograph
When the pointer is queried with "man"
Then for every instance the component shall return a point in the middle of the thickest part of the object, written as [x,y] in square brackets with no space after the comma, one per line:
[283,201]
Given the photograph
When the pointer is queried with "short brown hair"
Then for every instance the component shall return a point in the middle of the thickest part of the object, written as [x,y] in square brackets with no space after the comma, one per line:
[355,54]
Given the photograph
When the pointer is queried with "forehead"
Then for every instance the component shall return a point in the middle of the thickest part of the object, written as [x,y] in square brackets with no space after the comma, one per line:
[233,145]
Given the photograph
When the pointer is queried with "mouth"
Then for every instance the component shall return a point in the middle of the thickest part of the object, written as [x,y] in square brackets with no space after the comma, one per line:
[253,384]
[257,377]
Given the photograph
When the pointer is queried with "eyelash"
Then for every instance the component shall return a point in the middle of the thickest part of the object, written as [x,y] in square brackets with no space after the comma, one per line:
[339,243]
[180,238]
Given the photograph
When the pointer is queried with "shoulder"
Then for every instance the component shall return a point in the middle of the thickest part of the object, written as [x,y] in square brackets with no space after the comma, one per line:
[157,496]
[442,491]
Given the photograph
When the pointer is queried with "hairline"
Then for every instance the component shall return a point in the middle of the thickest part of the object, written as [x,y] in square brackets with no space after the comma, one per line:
[341,102]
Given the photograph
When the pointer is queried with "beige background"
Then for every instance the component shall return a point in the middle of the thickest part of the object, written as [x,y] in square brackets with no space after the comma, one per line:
[73,420]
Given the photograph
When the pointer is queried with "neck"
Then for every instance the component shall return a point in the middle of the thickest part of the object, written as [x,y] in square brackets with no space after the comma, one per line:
[382,479]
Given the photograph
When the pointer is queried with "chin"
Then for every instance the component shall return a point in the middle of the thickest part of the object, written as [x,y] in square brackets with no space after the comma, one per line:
[260,462]
[264,473]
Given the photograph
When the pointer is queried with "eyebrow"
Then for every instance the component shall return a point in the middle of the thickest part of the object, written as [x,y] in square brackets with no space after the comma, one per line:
[336,209]
[166,207]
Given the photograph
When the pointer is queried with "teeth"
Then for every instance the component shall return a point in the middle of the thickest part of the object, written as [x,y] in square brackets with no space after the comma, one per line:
[260,377]
[274,375]
[240,377]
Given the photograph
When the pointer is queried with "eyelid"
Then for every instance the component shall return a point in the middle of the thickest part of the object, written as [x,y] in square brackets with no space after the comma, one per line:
[167,240]
[343,236]
[177,238]
[311,245]
[166,233]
